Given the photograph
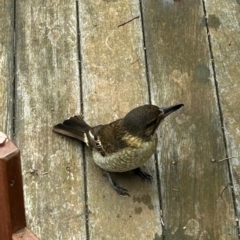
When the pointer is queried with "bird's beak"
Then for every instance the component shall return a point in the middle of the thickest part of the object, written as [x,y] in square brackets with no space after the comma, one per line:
[171,109]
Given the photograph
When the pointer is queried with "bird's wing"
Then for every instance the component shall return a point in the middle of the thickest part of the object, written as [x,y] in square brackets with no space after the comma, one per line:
[107,139]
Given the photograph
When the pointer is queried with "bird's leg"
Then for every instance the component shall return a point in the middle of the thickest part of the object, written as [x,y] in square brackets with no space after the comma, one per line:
[143,175]
[121,191]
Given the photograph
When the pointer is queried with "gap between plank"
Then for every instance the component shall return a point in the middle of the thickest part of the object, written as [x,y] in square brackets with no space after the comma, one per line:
[81,109]
[161,214]
[13,132]
[220,112]
[145,53]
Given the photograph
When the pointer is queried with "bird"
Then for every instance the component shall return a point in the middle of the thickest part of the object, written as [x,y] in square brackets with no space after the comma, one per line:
[123,145]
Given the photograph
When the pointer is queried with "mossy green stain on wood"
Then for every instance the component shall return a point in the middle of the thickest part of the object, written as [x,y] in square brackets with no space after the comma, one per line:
[145,199]
[213,21]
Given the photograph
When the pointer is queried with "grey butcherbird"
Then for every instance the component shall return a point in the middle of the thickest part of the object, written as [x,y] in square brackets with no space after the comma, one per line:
[123,145]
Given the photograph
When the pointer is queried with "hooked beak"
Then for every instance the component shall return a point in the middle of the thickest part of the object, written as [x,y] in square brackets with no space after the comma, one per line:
[171,109]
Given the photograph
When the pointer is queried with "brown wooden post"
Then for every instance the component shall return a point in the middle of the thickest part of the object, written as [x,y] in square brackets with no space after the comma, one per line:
[13,221]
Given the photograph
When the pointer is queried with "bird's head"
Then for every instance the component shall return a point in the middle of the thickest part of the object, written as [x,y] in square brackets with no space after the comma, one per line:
[144,120]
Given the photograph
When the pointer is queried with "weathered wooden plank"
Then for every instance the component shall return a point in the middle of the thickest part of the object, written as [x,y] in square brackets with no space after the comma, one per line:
[224,22]
[47,92]
[180,71]
[114,81]
[6,65]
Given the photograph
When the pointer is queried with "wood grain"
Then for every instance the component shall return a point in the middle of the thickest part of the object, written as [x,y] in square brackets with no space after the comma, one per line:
[114,81]
[6,66]
[48,92]
[180,71]
[224,22]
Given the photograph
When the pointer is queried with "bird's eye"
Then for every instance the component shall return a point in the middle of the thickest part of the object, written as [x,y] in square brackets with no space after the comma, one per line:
[152,123]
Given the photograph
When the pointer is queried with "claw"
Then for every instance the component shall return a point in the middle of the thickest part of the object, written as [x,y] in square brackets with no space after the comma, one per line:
[143,175]
[120,190]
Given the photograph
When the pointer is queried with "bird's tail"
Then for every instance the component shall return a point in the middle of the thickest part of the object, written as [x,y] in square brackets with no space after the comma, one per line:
[74,127]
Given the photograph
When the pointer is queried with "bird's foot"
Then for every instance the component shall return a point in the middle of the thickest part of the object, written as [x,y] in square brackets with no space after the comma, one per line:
[143,175]
[120,190]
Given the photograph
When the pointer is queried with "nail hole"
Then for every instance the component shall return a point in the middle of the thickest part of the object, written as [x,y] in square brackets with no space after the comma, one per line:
[68,169]
[12,183]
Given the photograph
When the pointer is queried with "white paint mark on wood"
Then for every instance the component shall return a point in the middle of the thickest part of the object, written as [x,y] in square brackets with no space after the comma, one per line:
[192,228]
[204,235]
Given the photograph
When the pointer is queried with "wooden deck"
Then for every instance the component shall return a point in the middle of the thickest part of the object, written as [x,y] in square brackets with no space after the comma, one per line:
[59,58]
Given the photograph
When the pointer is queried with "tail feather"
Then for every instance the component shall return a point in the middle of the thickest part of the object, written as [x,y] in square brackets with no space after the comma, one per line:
[74,127]
[76,121]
